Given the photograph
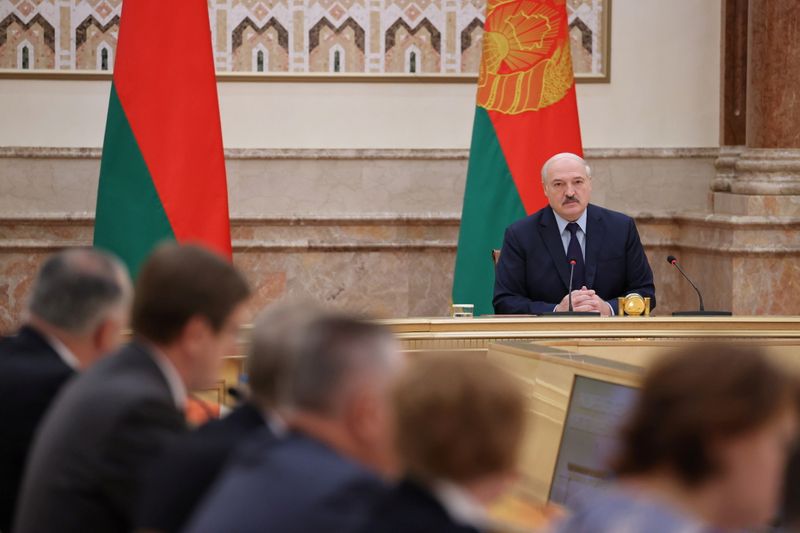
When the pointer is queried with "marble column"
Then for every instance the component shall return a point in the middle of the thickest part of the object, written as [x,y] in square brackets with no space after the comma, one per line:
[766,175]
[755,221]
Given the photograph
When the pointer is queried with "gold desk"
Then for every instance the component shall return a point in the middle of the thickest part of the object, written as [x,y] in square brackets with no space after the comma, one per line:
[594,336]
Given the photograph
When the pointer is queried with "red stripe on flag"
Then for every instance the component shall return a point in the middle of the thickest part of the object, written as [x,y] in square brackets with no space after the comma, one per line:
[528,140]
[165,78]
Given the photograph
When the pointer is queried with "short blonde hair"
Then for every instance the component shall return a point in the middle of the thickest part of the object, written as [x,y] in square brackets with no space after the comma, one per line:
[459,418]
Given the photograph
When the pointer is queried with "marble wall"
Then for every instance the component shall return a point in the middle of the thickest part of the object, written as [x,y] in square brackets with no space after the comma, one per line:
[375,231]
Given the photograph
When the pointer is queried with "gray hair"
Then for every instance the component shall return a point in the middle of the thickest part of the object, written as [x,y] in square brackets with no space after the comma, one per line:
[565,155]
[337,350]
[76,289]
[277,336]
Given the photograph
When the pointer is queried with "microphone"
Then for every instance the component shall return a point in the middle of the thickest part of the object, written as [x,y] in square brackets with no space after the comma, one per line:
[571,312]
[572,264]
[672,260]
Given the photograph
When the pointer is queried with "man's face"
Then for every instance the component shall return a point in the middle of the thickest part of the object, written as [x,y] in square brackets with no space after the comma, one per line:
[208,347]
[568,188]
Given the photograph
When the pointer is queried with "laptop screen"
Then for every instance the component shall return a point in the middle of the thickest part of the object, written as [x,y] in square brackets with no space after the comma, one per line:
[596,411]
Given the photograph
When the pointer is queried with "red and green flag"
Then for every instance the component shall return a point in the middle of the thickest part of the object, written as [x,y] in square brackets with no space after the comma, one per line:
[526,112]
[162,174]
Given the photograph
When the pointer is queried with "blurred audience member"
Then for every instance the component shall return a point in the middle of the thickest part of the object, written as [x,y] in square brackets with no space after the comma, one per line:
[460,423]
[78,306]
[324,476]
[705,449]
[187,469]
[87,459]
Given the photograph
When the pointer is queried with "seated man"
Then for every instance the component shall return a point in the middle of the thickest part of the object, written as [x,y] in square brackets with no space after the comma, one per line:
[324,476]
[78,306]
[86,464]
[188,468]
[460,423]
[532,276]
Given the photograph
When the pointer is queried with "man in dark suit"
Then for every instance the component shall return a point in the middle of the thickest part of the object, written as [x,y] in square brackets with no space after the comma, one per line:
[324,476]
[180,477]
[86,464]
[78,305]
[532,275]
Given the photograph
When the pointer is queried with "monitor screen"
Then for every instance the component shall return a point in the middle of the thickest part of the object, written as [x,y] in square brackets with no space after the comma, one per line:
[596,411]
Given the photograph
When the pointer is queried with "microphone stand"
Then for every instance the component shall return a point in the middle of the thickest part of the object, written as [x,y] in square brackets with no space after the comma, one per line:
[571,311]
[702,311]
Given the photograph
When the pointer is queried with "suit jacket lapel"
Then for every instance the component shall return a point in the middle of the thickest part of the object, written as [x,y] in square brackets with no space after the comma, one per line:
[549,232]
[595,234]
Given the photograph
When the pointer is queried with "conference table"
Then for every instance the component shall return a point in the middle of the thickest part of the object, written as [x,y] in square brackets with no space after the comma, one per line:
[633,340]
[546,353]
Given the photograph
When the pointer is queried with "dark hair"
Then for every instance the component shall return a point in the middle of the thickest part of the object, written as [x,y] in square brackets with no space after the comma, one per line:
[178,282]
[458,418]
[74,289]
[336,347]
[702,394]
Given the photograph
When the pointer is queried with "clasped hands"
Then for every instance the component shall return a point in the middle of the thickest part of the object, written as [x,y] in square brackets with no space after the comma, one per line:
[583,300]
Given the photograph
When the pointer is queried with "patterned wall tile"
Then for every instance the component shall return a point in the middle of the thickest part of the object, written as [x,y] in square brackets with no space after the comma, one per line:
[376,36]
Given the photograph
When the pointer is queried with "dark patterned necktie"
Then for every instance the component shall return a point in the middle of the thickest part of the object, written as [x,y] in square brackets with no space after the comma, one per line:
[574,252]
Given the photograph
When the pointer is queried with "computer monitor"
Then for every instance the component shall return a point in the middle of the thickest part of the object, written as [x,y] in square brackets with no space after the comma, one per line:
[596,411]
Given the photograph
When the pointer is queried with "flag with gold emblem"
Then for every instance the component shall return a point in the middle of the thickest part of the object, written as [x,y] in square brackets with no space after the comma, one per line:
[526,112]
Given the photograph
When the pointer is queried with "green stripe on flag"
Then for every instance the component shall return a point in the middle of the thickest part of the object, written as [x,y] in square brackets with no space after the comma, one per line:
[130,219]
[491,204]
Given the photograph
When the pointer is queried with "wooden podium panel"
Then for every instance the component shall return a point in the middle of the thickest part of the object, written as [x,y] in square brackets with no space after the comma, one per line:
[604,337]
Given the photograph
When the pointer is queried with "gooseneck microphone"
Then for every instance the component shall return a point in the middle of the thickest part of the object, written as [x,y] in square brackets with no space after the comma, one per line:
[572,264]
[571,312]
[672,260]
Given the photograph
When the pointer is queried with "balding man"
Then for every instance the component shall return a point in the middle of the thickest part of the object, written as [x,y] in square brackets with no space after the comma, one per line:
[325,475]
[532,276]
[78,306]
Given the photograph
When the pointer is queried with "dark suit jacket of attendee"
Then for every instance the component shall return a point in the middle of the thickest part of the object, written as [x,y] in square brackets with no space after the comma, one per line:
[86,464]
[410,508]
[31,374]
[291,485]
[532,276]
[181,475]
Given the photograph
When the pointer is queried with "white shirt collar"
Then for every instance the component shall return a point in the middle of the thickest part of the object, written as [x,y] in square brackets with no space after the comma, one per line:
[63,352]
[460,505]
[562,222]
[176,386]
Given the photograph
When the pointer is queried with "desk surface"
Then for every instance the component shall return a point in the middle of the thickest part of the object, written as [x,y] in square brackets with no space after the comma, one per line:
[616,327]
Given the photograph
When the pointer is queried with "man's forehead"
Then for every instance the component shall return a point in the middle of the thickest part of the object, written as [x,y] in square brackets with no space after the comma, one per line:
[566,168]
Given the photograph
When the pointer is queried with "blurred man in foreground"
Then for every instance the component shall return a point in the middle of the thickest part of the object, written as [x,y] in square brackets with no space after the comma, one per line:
[78,306]
[182,475]
[325,475]
[85,468]
[705,449]
[460,422]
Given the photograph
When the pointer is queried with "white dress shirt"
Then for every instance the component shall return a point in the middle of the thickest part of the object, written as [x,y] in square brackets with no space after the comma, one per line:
[174,381]
[460,505]
[64,353]
[566,235]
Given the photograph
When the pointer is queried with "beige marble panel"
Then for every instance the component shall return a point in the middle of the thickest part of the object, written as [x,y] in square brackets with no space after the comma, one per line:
[358,182]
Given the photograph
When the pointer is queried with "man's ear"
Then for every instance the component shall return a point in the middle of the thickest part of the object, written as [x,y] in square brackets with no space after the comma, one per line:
[195,334]
[107,335]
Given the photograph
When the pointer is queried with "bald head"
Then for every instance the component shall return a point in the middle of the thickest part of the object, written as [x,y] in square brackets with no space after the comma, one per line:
[565,156]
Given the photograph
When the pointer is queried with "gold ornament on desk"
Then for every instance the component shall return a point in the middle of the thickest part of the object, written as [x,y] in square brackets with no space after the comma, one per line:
[634,305]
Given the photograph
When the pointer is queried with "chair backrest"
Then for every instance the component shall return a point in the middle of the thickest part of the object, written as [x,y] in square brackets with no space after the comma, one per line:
[495,256]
